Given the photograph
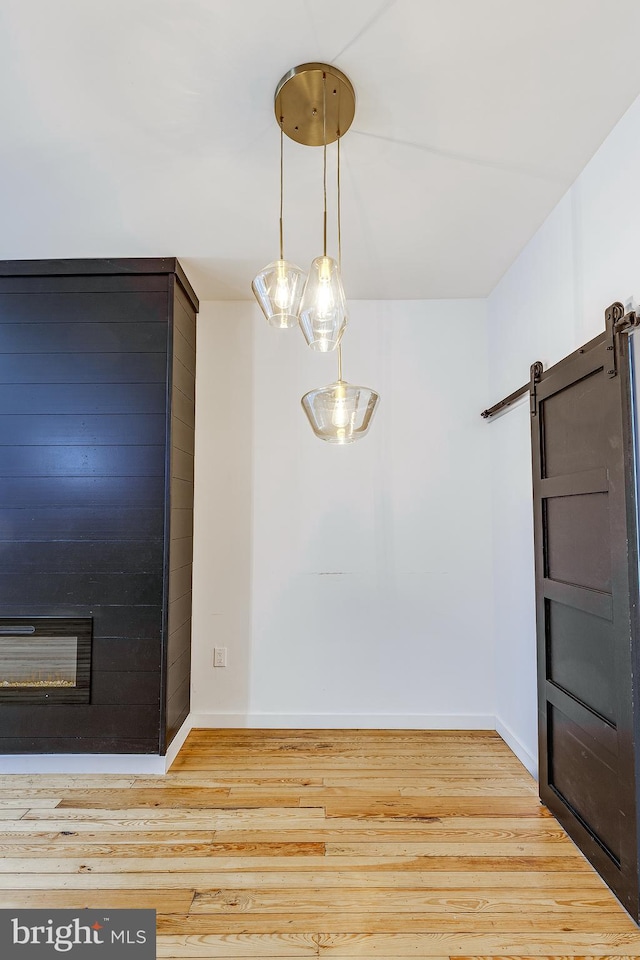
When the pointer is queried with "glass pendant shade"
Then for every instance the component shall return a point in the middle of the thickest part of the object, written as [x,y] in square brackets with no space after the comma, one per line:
[278,289]
[341,412]
[323,313]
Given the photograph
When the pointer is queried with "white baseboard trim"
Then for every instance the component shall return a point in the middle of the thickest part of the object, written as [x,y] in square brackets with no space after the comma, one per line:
[518,748]
[346,721]
[127,763]
[177,742]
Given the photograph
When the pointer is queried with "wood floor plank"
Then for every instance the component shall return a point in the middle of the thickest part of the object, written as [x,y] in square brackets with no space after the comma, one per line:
[69,847]
[386,923]
[202,880]
[164,901]
[295,864]
[426,945]
[487,901]
[32,802]
[181,797]
[464,848]
[275,844]
[409,807]
[238,946]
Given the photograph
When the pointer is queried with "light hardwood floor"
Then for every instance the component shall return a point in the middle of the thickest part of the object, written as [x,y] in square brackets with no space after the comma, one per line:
[339,844]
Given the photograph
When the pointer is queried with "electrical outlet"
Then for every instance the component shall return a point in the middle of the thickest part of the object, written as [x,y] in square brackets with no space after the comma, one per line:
[219,656]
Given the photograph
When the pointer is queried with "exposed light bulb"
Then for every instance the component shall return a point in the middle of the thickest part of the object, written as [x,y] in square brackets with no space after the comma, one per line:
[282,294]
[325,299]
[340,416]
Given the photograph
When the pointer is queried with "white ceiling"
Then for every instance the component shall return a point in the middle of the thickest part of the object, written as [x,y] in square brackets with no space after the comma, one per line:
[146,128]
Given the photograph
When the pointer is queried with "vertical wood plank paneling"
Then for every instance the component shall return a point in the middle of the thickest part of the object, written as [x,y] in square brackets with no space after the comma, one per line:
[86,394]
[182,423]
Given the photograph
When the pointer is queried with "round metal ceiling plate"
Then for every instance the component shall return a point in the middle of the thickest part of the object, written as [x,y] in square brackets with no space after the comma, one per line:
[300,98]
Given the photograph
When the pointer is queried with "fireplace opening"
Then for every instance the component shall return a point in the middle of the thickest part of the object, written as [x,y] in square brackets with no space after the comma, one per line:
[45,659]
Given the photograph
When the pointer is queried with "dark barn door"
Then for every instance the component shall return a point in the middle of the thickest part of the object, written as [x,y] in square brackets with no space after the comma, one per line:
[586,597]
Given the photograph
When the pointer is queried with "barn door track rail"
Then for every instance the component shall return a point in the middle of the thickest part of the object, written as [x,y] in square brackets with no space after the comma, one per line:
[616,321]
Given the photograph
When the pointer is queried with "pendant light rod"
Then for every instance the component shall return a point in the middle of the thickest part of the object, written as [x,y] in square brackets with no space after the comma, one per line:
[281,188]
[339,252]
[324,159]
[339,211]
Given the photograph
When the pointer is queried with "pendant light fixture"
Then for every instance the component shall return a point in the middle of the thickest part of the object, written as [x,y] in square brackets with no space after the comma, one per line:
[278,288]
[315,106]
[340,412]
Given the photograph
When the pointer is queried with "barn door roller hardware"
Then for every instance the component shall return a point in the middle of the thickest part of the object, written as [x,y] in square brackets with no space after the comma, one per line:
[528,387]
[617,321]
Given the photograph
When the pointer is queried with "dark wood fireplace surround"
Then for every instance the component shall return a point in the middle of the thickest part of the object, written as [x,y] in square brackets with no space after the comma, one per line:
[97,374]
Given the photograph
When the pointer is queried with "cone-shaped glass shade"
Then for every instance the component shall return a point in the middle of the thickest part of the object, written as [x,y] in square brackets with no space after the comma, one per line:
[278,289]
[323,313]
[341,412]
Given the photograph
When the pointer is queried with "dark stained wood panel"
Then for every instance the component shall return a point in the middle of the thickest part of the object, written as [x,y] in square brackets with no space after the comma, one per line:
[585,525]
[97,556]
[180,582]
[179,613]
[181,523]
[126,686]
[179,673]
[184,352]
[80,588]
[581,657]
[78,429]
[82,524]
[80,721]
[60,398]
[84,744]
[181,552]
[76,367]
[183,409]
[181,493]
[99,307]
[576,760]
[87,411]
[179,641]
[115,654]
[576,427]
[177,710]
[78,460]
[183,435]
[183,379]
[576,528]
[81,492]
[120,273]
[182,465]
[17,338]
[178,654]
[185,318]
[122,621]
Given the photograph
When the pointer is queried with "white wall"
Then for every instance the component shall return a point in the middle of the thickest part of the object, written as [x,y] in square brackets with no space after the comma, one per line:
[222,509]
[370,582]
[551,301]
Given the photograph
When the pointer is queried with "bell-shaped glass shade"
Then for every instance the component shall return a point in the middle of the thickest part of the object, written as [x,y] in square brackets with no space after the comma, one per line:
[278,289]
[323,313]
[341,412]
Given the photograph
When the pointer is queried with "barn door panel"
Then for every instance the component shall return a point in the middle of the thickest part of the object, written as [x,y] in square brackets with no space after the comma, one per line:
[586,599]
